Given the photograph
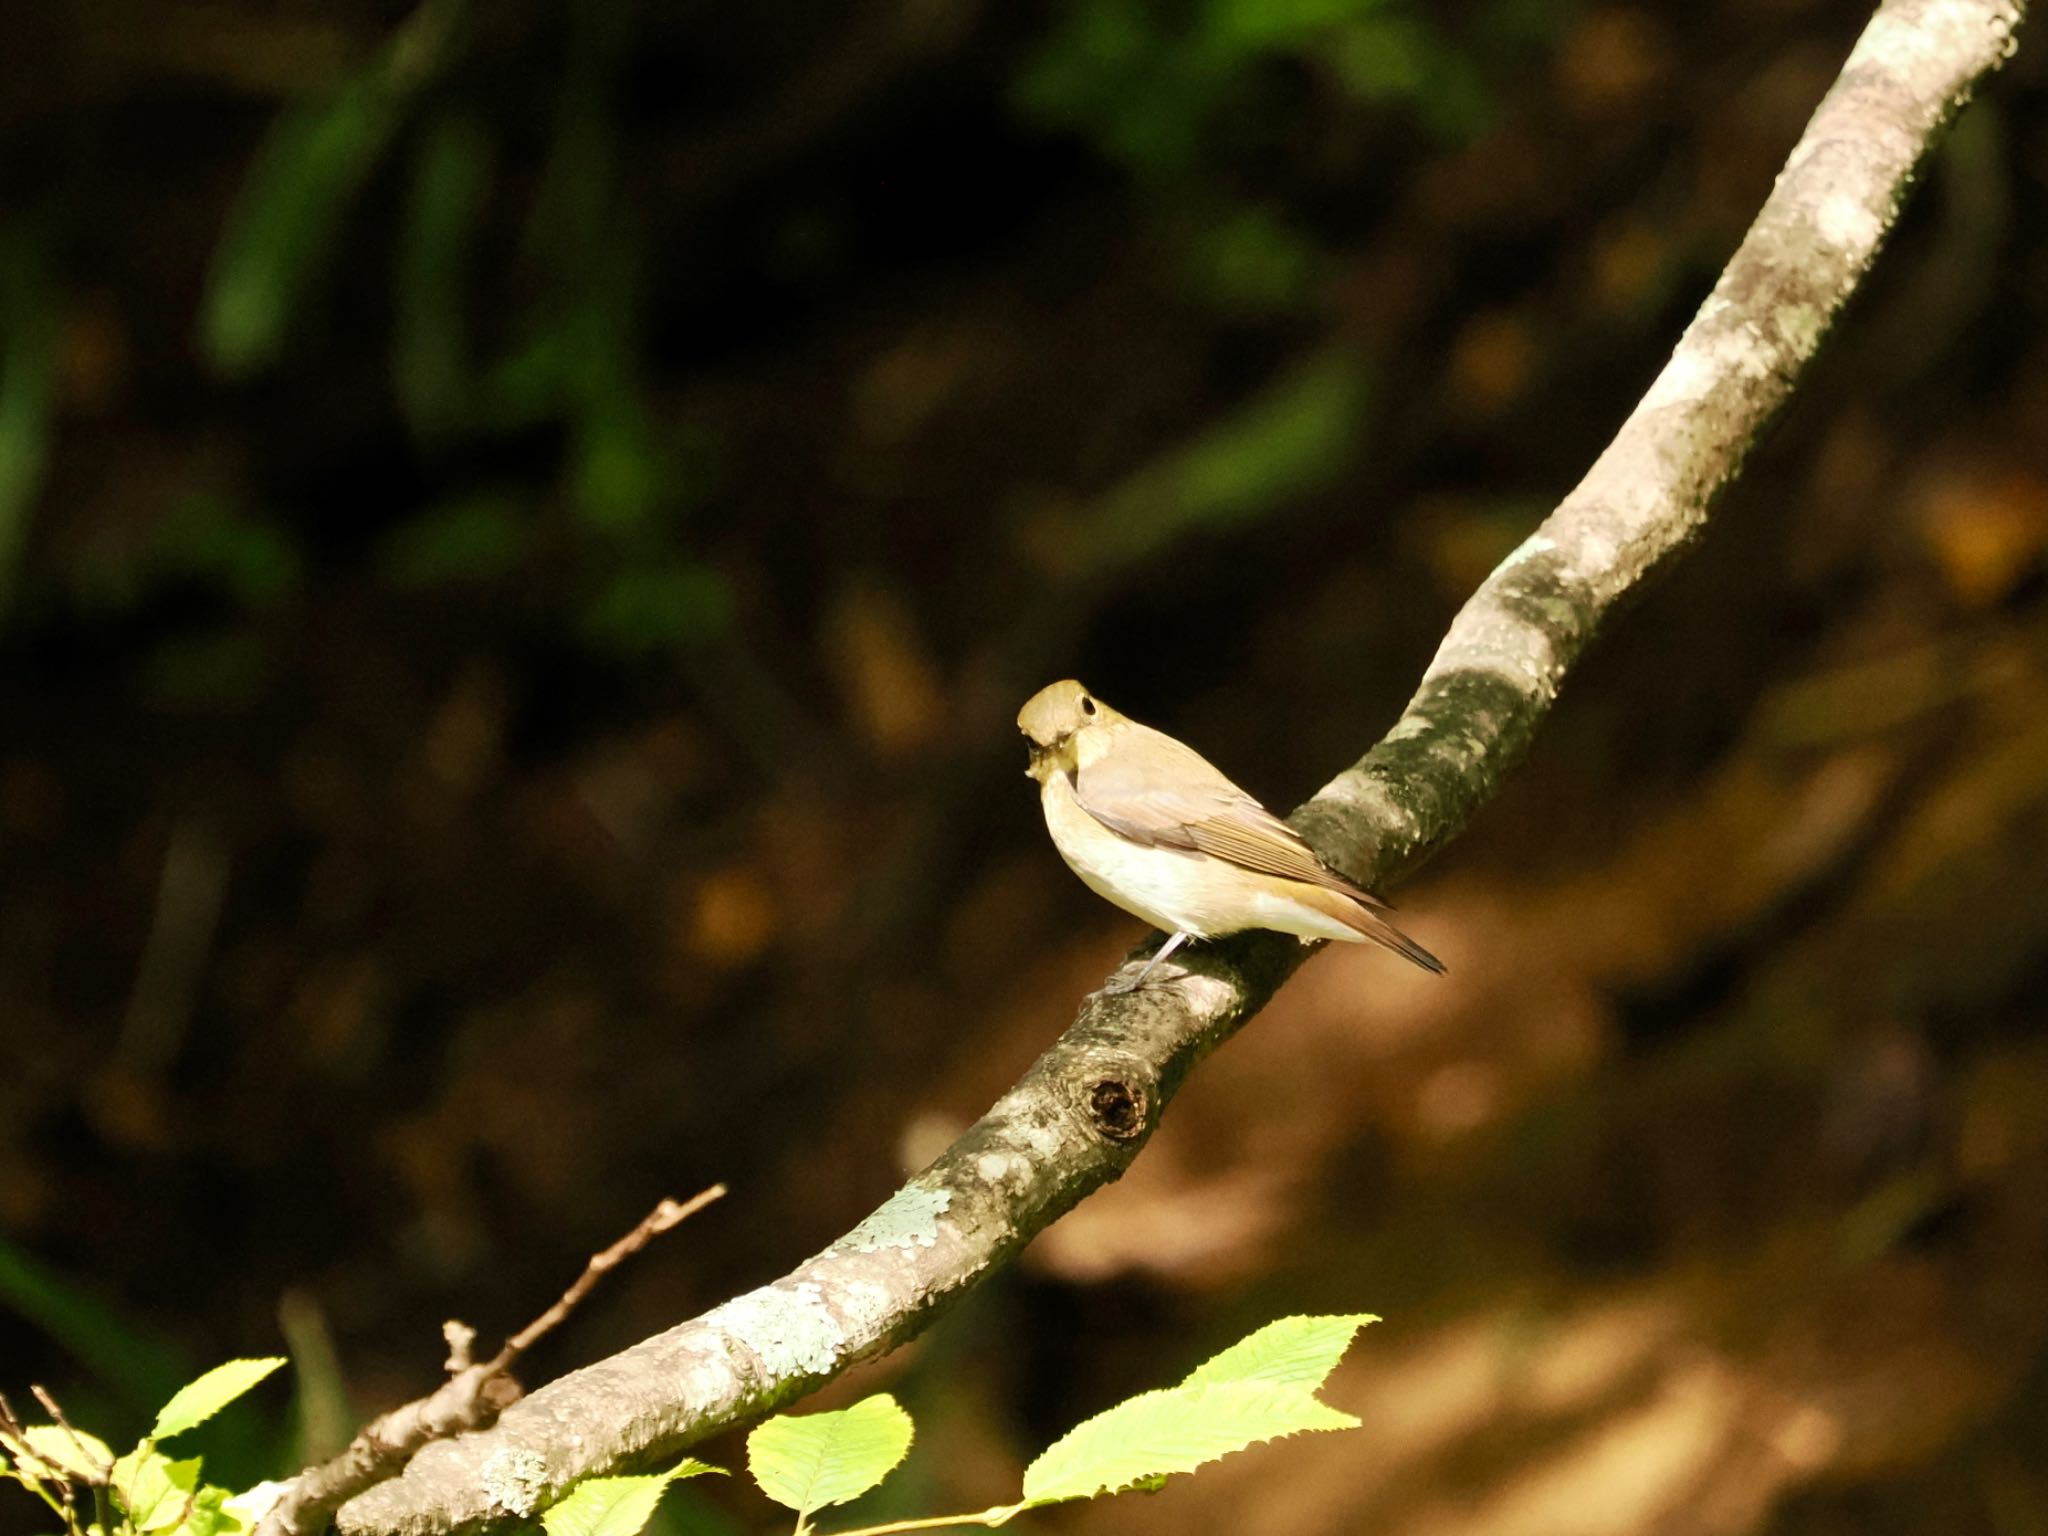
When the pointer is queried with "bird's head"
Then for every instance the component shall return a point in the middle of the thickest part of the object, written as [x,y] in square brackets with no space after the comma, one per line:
[1056,721]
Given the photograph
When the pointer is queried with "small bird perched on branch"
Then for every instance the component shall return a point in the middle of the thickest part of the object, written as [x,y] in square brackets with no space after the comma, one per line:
[1153,826]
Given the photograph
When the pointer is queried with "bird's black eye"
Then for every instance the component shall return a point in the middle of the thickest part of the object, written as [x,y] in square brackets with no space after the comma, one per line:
[1087,705]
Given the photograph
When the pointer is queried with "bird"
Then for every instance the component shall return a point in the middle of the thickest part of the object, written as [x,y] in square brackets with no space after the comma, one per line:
[1151,825]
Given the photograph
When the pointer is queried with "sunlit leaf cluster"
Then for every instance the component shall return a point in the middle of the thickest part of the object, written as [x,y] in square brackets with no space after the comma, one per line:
[143,1492]
[1261,1388]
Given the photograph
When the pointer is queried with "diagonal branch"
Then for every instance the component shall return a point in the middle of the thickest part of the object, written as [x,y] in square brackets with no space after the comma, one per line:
[1083,1110]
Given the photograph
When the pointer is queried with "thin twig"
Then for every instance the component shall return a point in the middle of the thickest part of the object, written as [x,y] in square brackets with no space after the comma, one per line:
[471,1398]
[669,1213]
[101,1472]
[992,1517]
[14,1435]
[36,1469]
[96,1480]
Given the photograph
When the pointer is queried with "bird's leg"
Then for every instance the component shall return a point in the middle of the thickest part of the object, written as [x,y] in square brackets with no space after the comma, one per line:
[1173,943]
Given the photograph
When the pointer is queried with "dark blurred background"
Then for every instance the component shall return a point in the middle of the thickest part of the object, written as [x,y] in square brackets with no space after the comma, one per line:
[524,526]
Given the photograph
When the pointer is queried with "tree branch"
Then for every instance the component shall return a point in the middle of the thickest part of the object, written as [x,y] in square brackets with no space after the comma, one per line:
[1084,1108]
[470,1399]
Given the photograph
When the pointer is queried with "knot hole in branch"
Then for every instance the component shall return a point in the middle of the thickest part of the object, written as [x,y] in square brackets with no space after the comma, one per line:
[1117,1108]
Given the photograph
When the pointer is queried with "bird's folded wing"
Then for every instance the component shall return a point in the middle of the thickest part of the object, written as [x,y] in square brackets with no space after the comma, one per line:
[1180,800]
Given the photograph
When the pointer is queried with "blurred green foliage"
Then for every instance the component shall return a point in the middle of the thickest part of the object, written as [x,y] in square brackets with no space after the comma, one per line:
[288,221]
[431,355]
[27,366]
[1253,260]
[140,1368]
[470,538]
[246,558]
[516,275]
[1167,90]
[567,358]
[542,333]
[646,608]
[1294,438]
[222,668]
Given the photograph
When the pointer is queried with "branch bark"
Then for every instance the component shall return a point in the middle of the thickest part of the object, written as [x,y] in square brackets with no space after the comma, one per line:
[1083,1110]
[472,1397]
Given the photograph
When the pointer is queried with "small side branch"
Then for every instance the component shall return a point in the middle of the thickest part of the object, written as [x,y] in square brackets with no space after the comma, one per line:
[670,1213]
[1082,1111]
[470,1399]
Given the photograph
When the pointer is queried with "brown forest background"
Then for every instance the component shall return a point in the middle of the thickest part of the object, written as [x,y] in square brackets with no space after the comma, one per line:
[522,532]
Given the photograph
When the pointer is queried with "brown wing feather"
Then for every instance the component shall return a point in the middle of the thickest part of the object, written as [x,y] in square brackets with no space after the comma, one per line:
[1202,811]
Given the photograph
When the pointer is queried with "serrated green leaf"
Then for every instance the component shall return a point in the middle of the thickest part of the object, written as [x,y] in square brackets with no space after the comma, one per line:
[1293,1351]
[198,1401]
[72,1452]
[1175,1430]
[155,1491]
[211,1515]
[615,1506]
[818,1459]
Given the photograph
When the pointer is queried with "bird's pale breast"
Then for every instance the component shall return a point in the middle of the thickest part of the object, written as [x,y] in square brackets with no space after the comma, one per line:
[1190,893]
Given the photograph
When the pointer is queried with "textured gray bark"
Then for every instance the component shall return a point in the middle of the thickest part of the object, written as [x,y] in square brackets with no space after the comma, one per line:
[1085,1108]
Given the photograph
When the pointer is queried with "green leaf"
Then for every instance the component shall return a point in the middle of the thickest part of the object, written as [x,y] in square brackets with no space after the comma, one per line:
[198,1401]
[211,1515]
[615,1506]
[1176,1430]
[156,1492]
[827,1458]
[28,1473]
[1294,1352]
[73,1452]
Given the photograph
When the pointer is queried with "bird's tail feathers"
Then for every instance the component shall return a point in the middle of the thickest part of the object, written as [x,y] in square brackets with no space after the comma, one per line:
[1369,924]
